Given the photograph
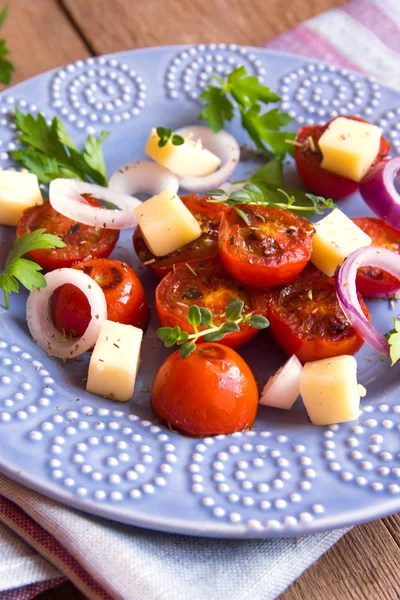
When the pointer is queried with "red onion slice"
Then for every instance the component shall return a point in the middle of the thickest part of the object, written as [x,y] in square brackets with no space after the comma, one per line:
[223,145]
[65,197]
[41,324]
[378,190]
[370,256]
[143,176]
[283,388]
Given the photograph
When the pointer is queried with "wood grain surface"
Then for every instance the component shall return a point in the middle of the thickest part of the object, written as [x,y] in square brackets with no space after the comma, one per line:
[43,34]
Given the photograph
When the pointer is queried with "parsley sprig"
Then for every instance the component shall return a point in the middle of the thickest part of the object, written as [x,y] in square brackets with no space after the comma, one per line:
[393,338]
[49,152]
[6,66]
[166,134]
[250,96]
[199,316]
[27,272]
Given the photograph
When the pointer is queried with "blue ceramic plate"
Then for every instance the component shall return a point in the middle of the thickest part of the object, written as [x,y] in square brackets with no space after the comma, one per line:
[283,478]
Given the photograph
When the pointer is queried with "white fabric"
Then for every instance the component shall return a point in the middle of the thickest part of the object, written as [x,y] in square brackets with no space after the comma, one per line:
[136,564]
[375,58]
[20,564]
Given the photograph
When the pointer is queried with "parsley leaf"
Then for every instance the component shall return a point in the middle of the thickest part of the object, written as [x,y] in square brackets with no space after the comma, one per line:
[49,152]
[250,96]
[18,269]
[393,339]
[219,109]
[6,66]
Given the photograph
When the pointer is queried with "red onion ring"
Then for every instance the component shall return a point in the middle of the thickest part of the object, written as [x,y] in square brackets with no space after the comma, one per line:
[378,191]
[65,197]
[223,145]
[41,324]
[143,176]
[369,256]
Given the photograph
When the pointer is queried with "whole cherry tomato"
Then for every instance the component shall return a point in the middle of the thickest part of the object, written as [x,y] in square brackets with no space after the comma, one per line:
[308,162]
[272,249]
[372,282]
[212,391]
[204,248]
[306,320]
[208,285]
[81,240]
[124,293]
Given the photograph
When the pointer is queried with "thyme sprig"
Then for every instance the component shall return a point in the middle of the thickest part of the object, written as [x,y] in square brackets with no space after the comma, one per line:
[199,316]
[252,195]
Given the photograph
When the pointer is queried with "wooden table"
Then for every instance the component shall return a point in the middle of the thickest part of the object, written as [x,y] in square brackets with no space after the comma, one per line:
[44,34]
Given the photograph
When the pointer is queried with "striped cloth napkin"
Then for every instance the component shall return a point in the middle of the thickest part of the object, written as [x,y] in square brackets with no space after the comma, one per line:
[43,543]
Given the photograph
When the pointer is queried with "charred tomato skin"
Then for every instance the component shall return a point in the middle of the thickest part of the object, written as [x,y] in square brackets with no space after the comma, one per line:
[272,250]
[372,282]
[209,286]
[81,240]
[202,249]
[307,320]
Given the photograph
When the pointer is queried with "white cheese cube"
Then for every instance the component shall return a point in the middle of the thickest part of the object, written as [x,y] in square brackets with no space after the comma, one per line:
[187,160]
[115,361]
[329,390]
[166,223]
[349,147]
[18,191]
[335,238]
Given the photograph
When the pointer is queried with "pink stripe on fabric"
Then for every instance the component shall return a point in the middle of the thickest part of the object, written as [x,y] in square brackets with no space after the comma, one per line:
[307,42]
[34,534]
[31,591]
[368,14]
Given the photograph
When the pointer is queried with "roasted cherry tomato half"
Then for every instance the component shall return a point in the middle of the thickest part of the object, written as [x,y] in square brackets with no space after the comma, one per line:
[308,163]
[124,293]
[81,240]
[372,282]
[204,248]
[273,249]
[306,320]
[210,285]
[212,391]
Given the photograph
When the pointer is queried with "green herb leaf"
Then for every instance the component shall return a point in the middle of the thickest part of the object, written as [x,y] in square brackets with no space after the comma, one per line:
[234,309]
[18,269]
[249,95]
[6,66]
[247,89]
[219,109]
[269,175]
[194,316]
[164,333]
[48,151]
[243,215]
[393,338]
[229,328]
[177,140]
[319,203]
[265,187]
[217,192]
[259,322]
[187,349]
[215,336]
[206,317]
[183,336]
